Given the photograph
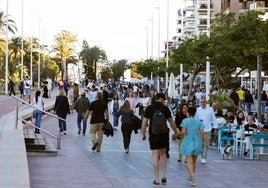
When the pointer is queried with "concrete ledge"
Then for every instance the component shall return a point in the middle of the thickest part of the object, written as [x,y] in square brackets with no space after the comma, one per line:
[14,170]
[13,157]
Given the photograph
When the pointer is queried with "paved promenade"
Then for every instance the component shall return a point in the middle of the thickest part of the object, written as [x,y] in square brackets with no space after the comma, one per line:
[76,166]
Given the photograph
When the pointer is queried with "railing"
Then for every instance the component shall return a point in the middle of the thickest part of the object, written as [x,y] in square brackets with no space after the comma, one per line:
[58,138]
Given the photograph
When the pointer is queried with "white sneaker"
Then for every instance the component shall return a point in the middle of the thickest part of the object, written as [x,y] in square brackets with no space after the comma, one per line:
[192,183]
[203,161]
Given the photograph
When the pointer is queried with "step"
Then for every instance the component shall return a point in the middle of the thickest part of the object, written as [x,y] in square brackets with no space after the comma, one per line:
[39,144]
[50,151]
[29,137]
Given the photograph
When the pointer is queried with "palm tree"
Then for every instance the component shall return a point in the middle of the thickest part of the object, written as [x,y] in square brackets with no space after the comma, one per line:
[90,57]
[65,48]
[96,55]
[118,69]
[4,20]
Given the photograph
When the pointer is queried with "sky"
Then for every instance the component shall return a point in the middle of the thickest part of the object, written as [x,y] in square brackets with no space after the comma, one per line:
[122,28]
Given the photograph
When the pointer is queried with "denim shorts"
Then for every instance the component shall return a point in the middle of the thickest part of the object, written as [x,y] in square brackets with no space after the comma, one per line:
[27,91]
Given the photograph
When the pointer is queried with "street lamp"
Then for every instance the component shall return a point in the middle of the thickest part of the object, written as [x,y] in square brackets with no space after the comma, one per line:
[152,37]
[207,60]
[158,52]
[167,45]
[147,42]
[22,53]
[39,54]
[6,78]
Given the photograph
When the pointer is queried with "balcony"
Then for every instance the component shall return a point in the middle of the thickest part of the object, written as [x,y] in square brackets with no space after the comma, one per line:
[190,18]
[189,8]
[189,28]
[202,23]
[204,8]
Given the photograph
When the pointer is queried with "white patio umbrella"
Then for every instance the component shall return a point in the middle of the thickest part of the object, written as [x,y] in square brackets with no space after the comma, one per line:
[171,86]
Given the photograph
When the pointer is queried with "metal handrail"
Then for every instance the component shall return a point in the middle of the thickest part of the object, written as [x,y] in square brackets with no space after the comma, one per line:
[58,138]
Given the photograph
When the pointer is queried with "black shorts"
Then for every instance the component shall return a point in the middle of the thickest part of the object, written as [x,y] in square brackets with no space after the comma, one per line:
[159,141]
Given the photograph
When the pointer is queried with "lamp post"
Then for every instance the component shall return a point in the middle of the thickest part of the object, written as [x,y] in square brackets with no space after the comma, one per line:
[6,78]
[39,54]
[152,37]
[31,59]
[207,60]
[22,52]
[167,45]
[158,50]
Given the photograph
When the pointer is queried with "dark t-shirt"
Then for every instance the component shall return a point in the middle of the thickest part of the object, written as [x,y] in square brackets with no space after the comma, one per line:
[248,126]
[97,109]
[150,111]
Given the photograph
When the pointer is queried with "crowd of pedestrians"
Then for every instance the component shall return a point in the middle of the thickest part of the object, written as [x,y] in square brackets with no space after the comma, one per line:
[192,120]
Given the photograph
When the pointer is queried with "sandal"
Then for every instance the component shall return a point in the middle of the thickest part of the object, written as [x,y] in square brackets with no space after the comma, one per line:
[164,180]
[155,182]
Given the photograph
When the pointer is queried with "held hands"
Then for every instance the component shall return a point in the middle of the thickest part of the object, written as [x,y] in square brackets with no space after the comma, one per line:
[143,136]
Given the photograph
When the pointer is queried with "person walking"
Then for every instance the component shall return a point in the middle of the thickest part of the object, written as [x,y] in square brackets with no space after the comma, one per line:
[206,114]
[241,95]
[158,142]
[143,102]
[81,107]
[126,128]
[180,115]
[75,92]
[45,89]
[61,108]
[37,113]
[21,84]
[191,147]
[114,106]
[11,87]
[264,100]
[99,112]
[248,100]
[27,84]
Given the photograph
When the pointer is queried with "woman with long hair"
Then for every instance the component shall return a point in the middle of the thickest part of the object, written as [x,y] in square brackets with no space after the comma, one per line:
[126,127]
[114,108]
[240,120]
[180,115]
[37,113]
[191,147]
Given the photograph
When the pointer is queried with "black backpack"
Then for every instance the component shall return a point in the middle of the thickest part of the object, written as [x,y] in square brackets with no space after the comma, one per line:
[159,122]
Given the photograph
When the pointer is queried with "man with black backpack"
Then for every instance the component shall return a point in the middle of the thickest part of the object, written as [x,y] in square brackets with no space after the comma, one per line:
[158,114]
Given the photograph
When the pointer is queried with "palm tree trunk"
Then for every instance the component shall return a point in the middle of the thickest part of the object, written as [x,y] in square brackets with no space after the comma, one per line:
[95,70]
[63,69]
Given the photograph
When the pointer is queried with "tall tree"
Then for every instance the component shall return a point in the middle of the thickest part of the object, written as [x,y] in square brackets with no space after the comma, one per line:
[118,69]
[90,58]
[65,48]
[192,53]
[4,20]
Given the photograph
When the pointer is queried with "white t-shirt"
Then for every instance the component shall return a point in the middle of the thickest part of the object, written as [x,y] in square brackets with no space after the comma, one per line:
[39,104]
[27,84]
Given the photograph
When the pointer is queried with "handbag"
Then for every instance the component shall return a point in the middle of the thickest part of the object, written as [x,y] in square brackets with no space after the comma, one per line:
[107,128]
[136,123]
